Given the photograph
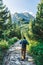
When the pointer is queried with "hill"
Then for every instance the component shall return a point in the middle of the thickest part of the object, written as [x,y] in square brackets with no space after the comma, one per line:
[25,17]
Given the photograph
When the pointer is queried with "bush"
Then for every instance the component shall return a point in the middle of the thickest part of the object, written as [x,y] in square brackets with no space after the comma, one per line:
[12,40]
[36,49]
[3,44]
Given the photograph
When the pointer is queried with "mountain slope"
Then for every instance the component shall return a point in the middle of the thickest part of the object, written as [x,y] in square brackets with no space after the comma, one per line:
[25,17]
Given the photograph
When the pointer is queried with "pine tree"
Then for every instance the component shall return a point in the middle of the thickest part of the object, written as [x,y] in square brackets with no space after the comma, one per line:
[37,26]
[41,1]
[5,18]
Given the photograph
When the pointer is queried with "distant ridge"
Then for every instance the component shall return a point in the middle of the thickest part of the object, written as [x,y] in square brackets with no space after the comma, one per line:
[25,17]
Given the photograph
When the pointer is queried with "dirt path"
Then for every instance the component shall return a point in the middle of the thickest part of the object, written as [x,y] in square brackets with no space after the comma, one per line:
[14,54]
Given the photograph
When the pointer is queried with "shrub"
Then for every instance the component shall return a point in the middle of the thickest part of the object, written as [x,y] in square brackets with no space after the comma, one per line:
[36,49]
[3,44]
[12,40]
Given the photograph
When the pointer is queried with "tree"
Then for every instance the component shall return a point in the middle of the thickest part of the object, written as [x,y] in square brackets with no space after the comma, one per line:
[41,1]
[37,26]
[5,18]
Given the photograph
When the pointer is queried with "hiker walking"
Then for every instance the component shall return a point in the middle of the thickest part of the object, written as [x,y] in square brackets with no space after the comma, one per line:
[23,49]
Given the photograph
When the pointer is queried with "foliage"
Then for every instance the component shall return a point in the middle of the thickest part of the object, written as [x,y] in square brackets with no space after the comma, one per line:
[2,54]
[36,49]
[7,28]
[35,36]
[5,19]
[3,47]
[3,44]
[37,25]
[12,40]
[14,31]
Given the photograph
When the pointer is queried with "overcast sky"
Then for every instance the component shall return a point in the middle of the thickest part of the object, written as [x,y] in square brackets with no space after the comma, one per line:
[22,5]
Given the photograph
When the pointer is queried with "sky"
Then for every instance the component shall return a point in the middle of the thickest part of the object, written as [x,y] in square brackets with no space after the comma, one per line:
[22,6]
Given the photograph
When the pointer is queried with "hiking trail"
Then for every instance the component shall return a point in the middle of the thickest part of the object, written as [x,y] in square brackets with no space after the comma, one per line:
[13,56]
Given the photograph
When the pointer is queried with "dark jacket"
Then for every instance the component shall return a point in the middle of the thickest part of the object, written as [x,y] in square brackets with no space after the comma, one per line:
[24,43]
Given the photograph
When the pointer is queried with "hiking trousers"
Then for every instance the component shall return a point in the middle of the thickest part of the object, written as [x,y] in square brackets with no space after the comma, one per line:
[23,53]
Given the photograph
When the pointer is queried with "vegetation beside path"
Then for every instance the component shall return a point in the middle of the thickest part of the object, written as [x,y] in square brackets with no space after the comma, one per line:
[34,36]
[4,45]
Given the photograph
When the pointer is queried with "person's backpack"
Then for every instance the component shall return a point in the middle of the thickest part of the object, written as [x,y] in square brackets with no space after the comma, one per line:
[24,41]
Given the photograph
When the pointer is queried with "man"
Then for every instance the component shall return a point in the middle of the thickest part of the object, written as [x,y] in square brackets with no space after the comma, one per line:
[23,50]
